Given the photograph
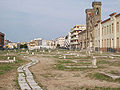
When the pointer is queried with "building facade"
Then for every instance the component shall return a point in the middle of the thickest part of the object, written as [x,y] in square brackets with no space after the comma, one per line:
[82,38]
[60,41]
[107,34]
[12,45]
[35,44]
[74,44]
[39,43]
[2,36]
[67,40]
[49,44]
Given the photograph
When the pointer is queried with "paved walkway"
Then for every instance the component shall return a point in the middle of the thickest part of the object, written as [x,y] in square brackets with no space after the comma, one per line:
[25,78]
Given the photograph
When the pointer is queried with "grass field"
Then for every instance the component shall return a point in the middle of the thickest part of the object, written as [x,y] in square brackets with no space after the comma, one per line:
[5,67]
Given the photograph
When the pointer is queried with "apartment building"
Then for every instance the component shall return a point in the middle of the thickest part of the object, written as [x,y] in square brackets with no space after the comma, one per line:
[74,44]
[60,41]
[49,44]
[2,36]
[35,44]
[82,38]
[39,43]
[107,34]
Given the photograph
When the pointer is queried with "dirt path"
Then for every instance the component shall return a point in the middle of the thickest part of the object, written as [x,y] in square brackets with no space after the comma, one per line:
[52,79]
[8,80]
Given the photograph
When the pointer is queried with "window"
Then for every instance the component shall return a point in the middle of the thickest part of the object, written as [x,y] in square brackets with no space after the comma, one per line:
[117,26]
[117,42]
[102,31]
[97,11]
[102,43]
[112,27]
[105,43]
[110,43]
[107,29]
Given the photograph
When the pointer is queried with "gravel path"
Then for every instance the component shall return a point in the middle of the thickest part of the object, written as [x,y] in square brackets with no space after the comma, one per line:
[25,78]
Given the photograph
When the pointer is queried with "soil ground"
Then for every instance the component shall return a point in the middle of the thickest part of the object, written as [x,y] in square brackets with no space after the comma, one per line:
[52,79]
[8,80]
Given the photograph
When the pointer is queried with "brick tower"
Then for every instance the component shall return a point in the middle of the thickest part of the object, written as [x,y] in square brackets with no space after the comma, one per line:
[93,16]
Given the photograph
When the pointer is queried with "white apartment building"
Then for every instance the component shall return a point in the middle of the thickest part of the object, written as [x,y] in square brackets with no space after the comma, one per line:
[107,34]
[49,44]
[74,35]
[60,41]
[39,43]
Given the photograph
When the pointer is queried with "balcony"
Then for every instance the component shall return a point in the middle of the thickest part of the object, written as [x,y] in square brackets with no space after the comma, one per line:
[74,34]
[75,38]
[73,43]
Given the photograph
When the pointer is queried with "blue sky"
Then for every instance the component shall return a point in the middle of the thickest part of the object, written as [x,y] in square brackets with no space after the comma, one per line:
[23,20]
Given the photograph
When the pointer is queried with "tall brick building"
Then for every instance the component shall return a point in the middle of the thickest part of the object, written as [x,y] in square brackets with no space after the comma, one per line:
[93,16]
[1,40]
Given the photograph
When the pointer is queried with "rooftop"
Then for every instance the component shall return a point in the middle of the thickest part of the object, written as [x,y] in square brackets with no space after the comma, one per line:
[2,33]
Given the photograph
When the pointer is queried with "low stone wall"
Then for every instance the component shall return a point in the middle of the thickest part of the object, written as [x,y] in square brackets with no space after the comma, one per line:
[7,61]
[110,75]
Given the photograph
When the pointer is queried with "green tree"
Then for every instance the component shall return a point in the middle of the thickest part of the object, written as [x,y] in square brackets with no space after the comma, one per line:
[58,45]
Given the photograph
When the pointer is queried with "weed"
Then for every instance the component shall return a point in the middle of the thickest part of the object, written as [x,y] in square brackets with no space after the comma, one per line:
[100,76]
[64,61]
[103,88]
[60,67]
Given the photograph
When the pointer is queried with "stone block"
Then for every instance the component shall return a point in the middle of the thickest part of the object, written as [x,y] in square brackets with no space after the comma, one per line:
[21,75]
[21,79]
[24,86]
[30,80]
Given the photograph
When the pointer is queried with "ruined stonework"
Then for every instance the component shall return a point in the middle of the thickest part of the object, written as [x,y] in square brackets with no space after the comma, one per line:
[93,16]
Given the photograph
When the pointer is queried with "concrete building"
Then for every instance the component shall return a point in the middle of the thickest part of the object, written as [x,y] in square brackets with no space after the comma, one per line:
[93,16]
[49,44]
[74,35]
[2,36]
[82,38]
[107,34]
[67,40]
[35,44]
[12,45]
[60,41]
[39,43]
